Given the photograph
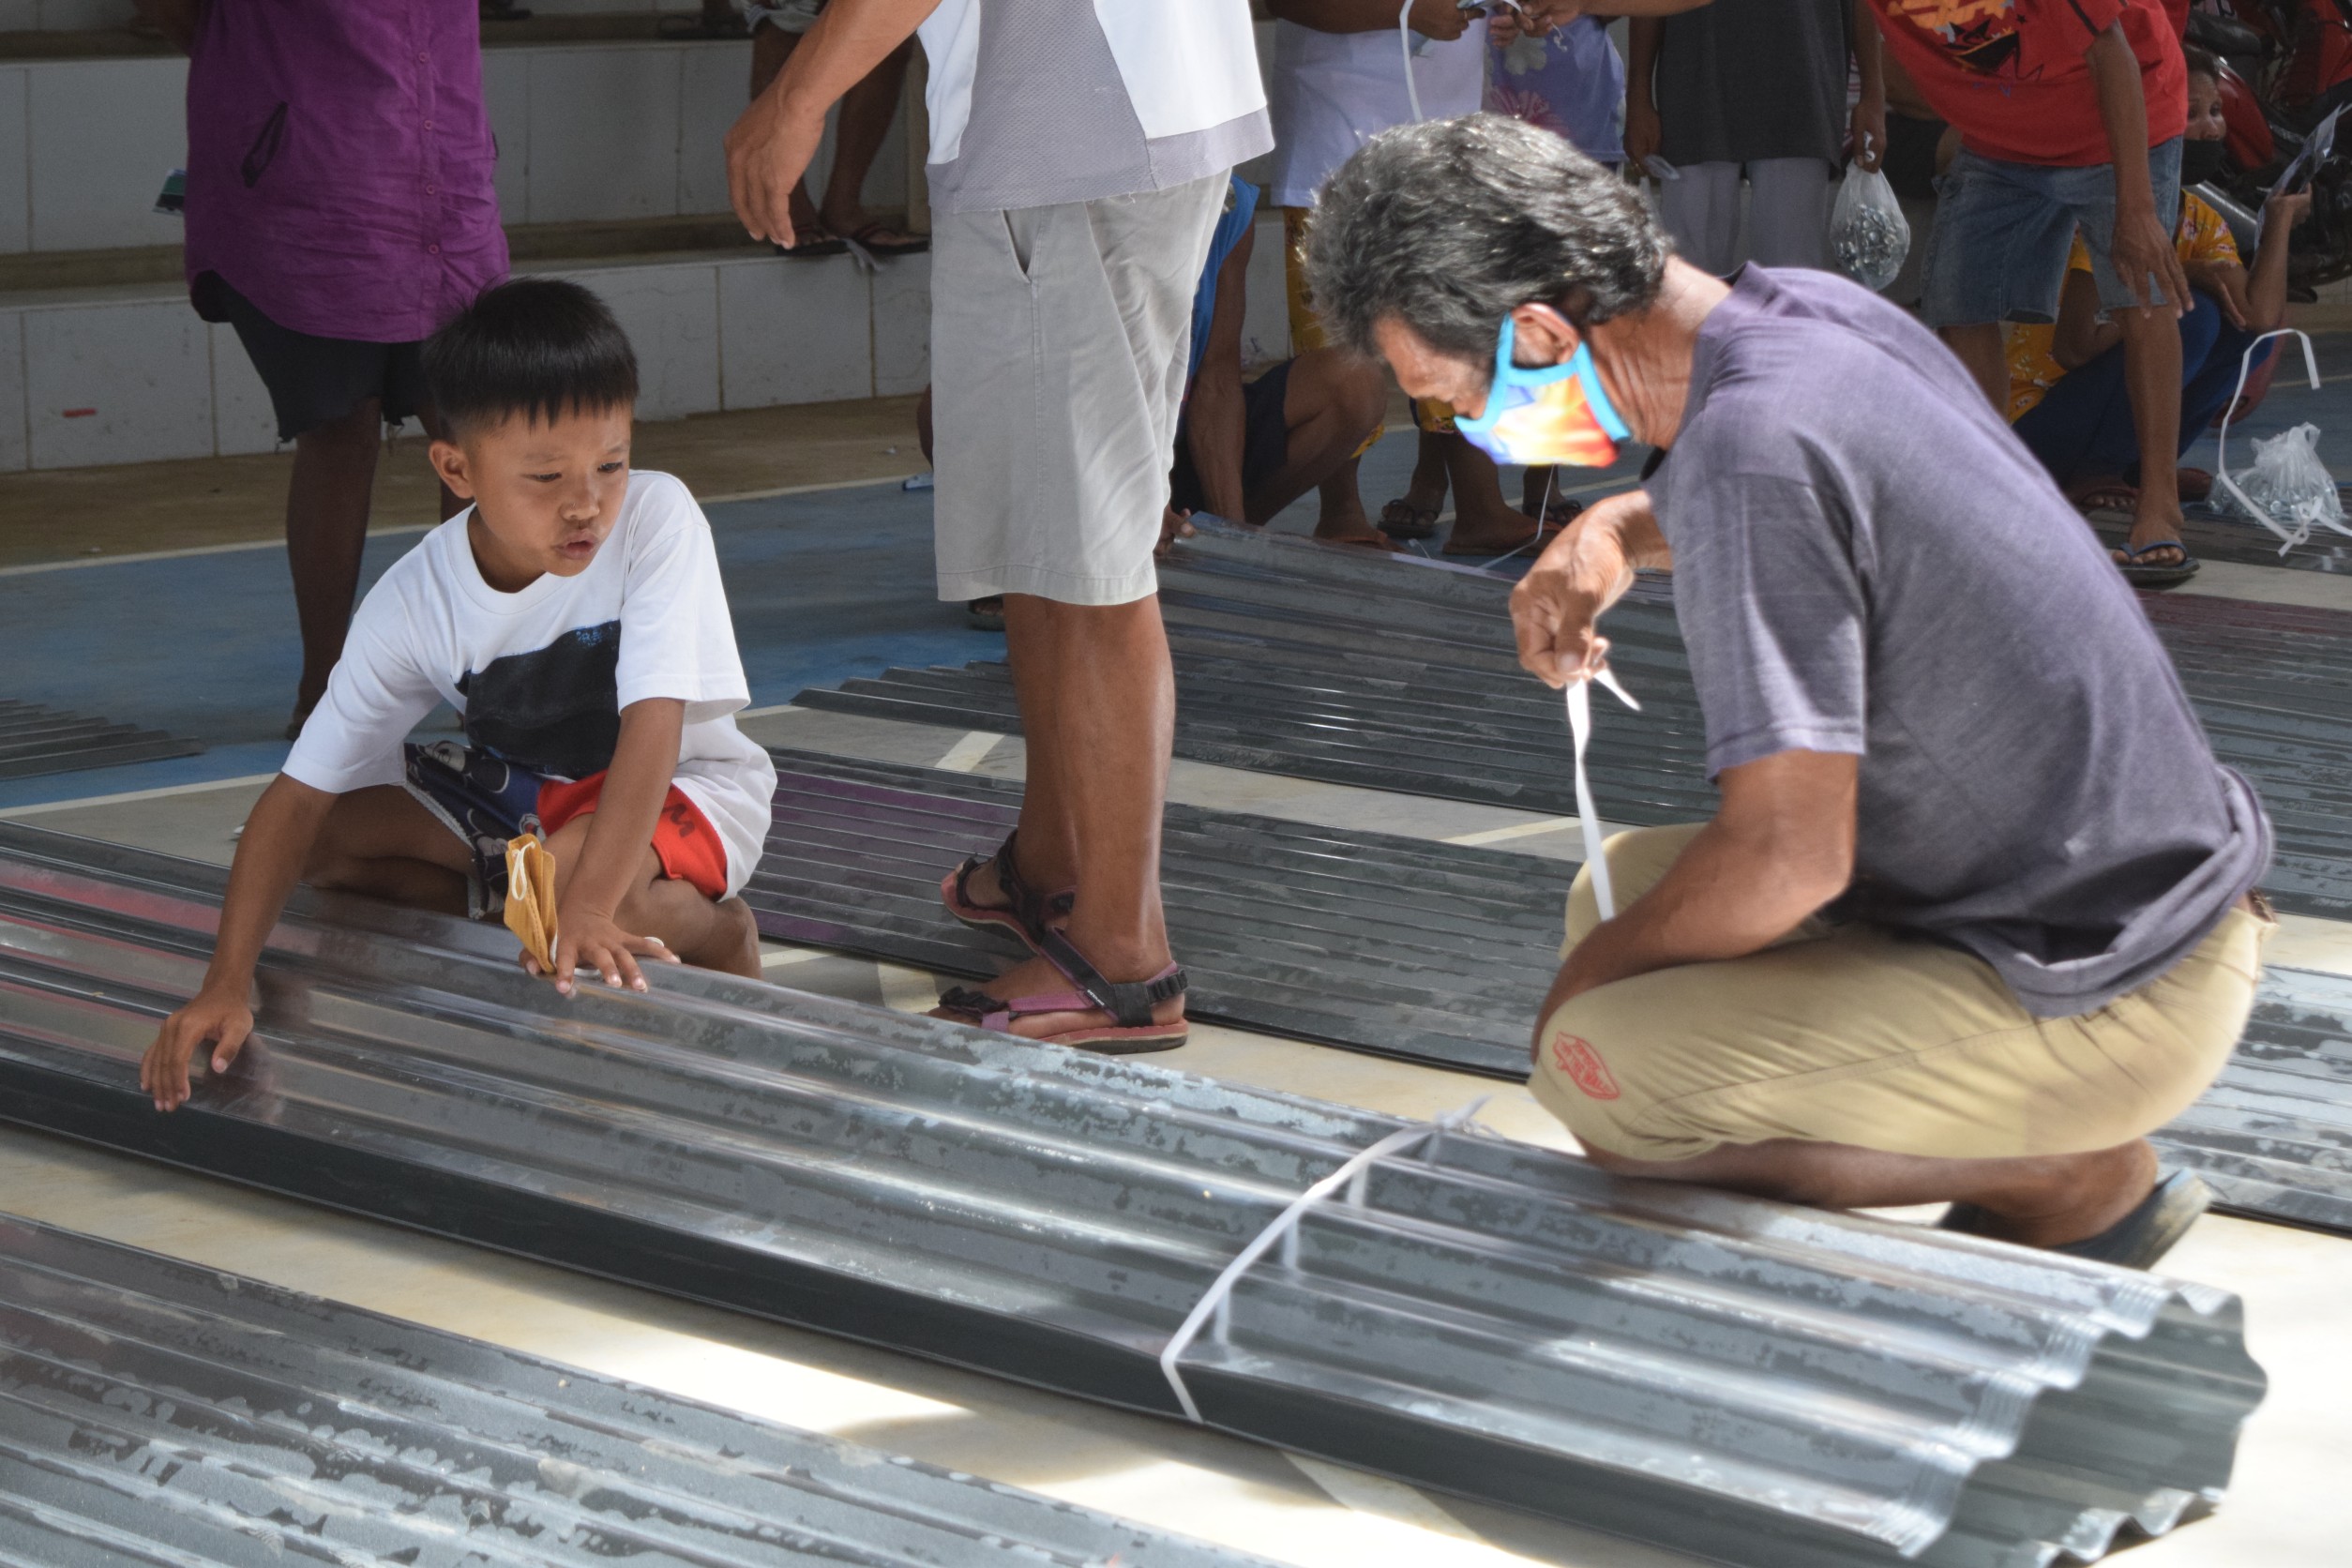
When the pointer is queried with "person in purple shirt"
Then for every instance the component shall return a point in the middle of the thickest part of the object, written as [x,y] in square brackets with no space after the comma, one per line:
[340,211]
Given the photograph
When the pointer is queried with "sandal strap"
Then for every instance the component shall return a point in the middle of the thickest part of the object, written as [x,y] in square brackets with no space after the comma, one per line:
[1129,1003]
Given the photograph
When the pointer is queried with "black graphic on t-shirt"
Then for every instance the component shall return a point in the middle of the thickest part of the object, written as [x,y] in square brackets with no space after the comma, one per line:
[555,710]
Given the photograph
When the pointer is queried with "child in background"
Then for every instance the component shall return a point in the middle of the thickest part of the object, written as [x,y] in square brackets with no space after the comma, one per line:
[574,616]
[2068,399]
[1567,80]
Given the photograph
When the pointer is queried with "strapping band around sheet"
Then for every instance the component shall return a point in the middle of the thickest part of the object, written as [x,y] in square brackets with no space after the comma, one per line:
[1216,1301]
[1587,815]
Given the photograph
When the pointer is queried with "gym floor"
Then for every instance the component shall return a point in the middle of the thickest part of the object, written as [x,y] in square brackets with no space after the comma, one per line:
[157,595]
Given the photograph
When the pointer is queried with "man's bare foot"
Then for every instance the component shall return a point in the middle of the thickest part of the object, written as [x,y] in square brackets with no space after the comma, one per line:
[1352,531]
[1496,534]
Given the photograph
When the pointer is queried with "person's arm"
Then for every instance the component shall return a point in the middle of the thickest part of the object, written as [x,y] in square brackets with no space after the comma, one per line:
[644,760]
[1868,129]
[2080,335]
[1644,130]
[1441,20]
[275,847]
[1213,423]
[2142,246]
[1579,575]
[770,146]
[1780,845]
[2264,291]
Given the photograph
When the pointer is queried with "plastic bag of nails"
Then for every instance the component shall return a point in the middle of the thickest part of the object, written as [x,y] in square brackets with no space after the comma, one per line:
[1868,236]
[2291,486]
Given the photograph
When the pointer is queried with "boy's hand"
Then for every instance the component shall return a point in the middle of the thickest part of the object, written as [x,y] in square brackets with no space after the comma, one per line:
[222,1020]
[590,938]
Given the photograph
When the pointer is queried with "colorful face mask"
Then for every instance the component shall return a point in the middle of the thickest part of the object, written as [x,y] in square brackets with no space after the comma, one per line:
[1551,414]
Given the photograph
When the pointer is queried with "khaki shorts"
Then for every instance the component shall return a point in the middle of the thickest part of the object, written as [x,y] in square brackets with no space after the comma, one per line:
[1857,1034]
[1060,336]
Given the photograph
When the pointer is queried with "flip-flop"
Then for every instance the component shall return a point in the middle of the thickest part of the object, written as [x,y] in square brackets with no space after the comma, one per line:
[1401,519]
[2194,483]
[2136,1241]
[905,245]
[986,614]
[2111,502]
[1128,1003]
[2141,575]
[822,243]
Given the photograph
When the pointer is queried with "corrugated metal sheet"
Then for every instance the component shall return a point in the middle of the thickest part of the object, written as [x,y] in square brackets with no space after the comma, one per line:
[153,1413]
[38,740]
[1434,952]
[1764,1384]
[1299,659]
[1381,943]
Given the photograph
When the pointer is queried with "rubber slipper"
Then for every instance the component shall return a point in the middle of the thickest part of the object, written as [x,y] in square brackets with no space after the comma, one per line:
[2137,1240]
[2111,502]
[820,244]
[1401,519]
[905,245]
[997,1015]
[2141,575]
[986,614]
[1022,914]
[2194,483]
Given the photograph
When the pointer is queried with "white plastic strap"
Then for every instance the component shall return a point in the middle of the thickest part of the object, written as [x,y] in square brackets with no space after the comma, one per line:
[1404,48]
[1217,1299]
[1587,815]
[2291,536]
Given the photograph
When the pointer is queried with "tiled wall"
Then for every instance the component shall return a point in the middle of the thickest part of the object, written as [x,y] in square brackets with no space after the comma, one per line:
[588,132]
[137,377]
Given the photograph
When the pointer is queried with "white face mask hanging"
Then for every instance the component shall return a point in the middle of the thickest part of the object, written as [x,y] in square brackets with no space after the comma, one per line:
[2288,490]
[1587,818]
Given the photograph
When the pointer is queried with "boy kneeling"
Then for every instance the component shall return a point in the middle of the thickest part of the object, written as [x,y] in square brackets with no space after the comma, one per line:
[574,616]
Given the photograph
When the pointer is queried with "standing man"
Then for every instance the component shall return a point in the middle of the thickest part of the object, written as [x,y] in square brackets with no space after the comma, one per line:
[1078,163]
[1975,913]
[340,210]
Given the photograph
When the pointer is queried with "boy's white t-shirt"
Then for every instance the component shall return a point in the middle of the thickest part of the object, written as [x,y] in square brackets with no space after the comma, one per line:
[541,676]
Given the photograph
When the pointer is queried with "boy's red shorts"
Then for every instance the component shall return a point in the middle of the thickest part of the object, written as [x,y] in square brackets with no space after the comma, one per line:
[689,848]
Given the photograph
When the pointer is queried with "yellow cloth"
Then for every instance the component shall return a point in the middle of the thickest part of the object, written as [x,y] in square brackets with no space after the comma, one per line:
[2203,237]
[531,898]
[1306,328]
[1857,1034]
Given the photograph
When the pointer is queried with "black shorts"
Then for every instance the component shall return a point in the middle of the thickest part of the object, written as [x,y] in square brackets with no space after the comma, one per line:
[1265,441]
[316,381]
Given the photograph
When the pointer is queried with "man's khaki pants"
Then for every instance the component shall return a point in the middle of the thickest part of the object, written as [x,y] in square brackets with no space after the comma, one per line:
[1856,1034]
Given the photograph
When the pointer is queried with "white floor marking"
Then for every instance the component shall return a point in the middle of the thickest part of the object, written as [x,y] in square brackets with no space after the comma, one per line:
[2235,580]
[181,554]
[1516,830]
[130,795]
[769,713]
[907,990]
[969,752]
[781,956]
[1373,1494]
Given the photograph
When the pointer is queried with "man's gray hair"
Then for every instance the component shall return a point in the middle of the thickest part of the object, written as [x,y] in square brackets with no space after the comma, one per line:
[1448,227]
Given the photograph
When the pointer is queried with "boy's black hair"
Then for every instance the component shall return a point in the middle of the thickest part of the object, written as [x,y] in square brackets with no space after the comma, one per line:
[2201,61]
[540,347]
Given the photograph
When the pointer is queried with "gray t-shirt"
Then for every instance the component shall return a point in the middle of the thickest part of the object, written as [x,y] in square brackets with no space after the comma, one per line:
[1867,561]
[1741,80]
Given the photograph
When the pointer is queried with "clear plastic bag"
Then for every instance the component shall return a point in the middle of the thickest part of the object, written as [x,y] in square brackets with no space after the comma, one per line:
[1868,234]
[2287,486]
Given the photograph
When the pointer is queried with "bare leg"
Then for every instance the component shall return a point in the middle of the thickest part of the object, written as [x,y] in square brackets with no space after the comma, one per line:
[2044,1201]
[2151,375]
[1098,704]
[1977,348]
[1330,404]
[1426,491]
[326,532]
[866,111]
[770,48]
[380,842]
[720,935]
[1484,523]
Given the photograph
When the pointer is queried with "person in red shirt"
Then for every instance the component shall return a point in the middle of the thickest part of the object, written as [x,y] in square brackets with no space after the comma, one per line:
[2070,114]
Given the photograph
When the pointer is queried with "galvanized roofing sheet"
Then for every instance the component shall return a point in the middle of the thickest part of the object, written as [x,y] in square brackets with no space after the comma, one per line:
[1761,1383]
[1397,946]
[153,1411]
[1434,952]
[1321,663]
[38,740]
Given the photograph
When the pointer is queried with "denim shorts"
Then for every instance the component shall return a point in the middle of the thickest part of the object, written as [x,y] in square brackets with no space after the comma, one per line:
[2003,229]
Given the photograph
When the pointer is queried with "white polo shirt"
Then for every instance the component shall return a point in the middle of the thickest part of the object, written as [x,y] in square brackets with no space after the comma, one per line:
[1036,103]
[1333,92]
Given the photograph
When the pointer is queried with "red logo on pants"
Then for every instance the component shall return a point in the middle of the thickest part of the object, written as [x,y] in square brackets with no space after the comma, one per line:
[1583,1065]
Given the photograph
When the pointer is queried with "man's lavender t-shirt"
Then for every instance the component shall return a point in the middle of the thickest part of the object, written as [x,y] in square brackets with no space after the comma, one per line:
[340,164]
[1867,561]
